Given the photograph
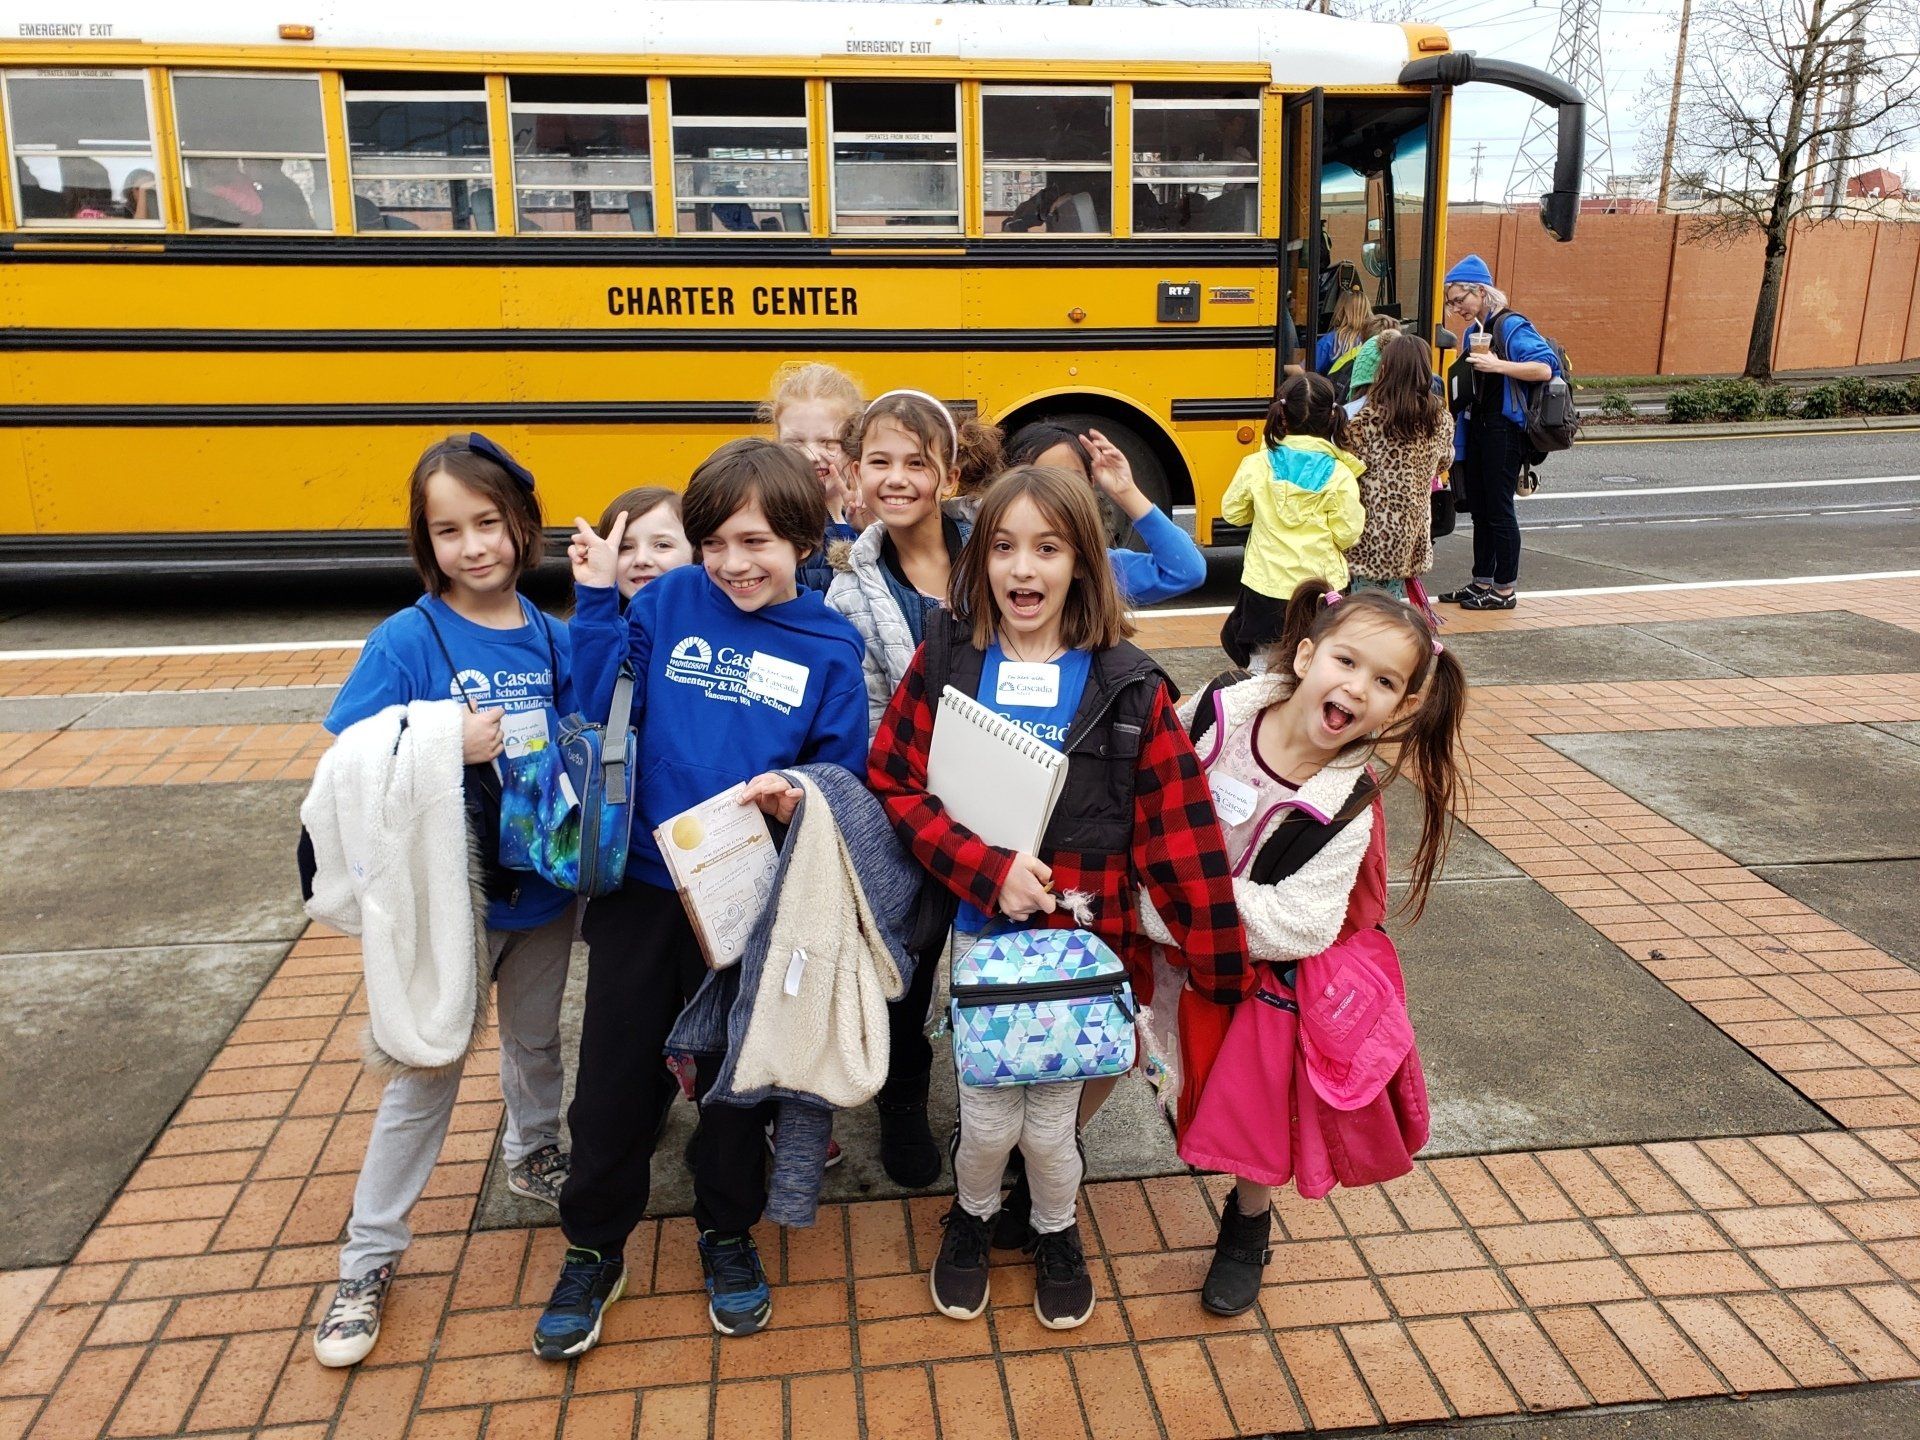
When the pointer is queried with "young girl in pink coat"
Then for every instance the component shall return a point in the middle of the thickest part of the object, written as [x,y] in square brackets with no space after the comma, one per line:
[1315,1081]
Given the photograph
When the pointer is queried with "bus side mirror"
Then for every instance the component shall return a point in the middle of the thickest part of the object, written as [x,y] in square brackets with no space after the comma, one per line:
[1445,339]
[1559,209]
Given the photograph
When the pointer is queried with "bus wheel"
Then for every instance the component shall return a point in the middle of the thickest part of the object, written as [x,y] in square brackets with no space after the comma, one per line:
[1148,473]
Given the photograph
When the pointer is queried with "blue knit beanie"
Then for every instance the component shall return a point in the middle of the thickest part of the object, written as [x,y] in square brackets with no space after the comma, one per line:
[1470,271]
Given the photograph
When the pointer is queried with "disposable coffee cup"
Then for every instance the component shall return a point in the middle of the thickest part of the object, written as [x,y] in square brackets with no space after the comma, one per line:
[1480,340]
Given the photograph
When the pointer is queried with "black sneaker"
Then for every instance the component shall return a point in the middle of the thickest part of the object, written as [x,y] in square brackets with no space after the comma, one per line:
[588,1283]
[1463,594]
[1062,1288]
[1491,600]
[738,1300]
[958,1279]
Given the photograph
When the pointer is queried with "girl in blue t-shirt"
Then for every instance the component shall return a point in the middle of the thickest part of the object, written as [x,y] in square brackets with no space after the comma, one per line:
[473,528]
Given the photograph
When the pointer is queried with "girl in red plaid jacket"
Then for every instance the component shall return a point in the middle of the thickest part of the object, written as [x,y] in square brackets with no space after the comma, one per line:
[1037,632]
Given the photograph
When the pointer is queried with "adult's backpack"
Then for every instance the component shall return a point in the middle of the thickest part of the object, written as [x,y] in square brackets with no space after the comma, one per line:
[1551,421]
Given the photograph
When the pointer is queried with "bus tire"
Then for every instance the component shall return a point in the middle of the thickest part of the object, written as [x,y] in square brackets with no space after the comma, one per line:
[1148,471]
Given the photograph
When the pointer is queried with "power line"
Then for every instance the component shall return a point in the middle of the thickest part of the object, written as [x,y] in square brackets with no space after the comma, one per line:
[1576,59]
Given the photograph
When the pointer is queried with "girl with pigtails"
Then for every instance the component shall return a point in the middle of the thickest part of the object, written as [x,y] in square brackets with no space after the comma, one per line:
[1316,1082]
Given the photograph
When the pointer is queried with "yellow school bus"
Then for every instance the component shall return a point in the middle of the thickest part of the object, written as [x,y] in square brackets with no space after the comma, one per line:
[253,259]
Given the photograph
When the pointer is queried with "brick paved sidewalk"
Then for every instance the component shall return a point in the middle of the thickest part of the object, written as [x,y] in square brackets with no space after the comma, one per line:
[1475,1286]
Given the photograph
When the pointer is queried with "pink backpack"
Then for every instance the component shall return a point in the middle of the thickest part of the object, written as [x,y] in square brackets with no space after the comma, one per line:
[1336,1058]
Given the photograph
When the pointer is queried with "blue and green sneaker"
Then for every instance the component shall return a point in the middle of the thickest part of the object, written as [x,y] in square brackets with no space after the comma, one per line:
[570,1325]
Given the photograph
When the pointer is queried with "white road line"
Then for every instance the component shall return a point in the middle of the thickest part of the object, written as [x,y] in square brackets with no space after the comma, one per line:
[1620,492]
[292,647]
[1197,611]
[135,652]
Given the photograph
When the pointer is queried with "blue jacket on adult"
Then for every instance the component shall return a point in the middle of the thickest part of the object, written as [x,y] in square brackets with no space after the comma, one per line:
[1513,334]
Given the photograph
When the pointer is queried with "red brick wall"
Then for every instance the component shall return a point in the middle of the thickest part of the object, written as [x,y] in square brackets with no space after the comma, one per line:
[1634,295]
[1883,334]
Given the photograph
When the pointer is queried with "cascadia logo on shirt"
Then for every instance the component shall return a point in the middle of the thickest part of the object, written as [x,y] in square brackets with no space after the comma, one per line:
[691,655]
[471,685]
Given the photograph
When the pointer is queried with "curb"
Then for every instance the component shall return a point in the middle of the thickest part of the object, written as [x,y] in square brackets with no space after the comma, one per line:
[1751,429]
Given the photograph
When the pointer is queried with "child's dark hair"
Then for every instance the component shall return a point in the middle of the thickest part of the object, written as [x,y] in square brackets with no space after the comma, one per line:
[641,500]
[1095,617]
[1032,441]
[1307,404]
[979,458]
[1429,738]
[1402,398]
[750,471]
[519,507]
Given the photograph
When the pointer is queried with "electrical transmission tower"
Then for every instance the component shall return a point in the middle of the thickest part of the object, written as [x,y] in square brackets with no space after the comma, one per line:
[1576,59]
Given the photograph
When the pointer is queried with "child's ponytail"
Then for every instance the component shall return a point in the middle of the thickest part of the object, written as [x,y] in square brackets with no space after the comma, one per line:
[1306,404]
[980,456]
[1431,740]
[1304,608]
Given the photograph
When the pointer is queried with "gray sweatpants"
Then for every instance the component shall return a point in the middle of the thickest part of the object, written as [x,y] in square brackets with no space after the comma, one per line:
[530,977]
[1043,1121]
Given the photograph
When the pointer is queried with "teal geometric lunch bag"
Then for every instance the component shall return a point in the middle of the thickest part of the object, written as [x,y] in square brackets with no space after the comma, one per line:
[1035,1007]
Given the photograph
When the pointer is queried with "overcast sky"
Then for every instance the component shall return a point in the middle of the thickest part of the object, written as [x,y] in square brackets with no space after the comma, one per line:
[1637,36]
[1637,42]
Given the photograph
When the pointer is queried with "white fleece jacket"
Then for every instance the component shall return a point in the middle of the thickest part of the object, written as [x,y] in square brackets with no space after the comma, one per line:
[819,1023]
[394,865]
[1300,915]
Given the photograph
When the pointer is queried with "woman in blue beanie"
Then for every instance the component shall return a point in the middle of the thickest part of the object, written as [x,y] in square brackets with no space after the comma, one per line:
[1492,441]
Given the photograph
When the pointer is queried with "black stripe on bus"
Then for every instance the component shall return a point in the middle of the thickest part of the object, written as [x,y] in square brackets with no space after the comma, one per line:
[1222,337]
[1253,407]
[531,412]
[681,252]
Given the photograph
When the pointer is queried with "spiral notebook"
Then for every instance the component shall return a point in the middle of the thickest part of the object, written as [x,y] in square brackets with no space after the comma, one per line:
[993,777]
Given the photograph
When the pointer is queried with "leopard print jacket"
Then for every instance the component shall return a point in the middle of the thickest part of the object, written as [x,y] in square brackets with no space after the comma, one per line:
[1396,488]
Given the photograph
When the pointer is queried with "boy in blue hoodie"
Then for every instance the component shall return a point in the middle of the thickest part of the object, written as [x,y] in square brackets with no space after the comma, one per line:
[738,672]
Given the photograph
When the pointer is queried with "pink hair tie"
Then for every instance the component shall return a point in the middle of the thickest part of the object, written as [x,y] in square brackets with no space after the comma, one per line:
[1438,648]
[1332,597]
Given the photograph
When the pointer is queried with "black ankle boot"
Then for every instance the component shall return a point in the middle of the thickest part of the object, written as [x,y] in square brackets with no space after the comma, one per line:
[1240,1258]
[908,1152]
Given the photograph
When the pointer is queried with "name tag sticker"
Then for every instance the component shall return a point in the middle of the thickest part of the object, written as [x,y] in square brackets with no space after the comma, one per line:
[781,681]
[522,732]
[1031,685]
[1234,800]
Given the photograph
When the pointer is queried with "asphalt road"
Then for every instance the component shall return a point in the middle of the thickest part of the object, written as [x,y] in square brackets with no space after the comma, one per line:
[1608,512]
[1632,512]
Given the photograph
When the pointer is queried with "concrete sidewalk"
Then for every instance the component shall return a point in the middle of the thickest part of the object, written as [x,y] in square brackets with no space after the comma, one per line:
[1676,1073]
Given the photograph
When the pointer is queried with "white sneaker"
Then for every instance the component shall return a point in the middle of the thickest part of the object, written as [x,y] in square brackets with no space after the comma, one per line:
[352,1323]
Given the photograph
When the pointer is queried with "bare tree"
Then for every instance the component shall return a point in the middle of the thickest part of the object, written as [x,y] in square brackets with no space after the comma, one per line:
[1750,130]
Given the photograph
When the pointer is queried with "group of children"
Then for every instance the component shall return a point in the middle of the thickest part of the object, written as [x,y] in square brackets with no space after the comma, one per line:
[806,599]
[1342,489]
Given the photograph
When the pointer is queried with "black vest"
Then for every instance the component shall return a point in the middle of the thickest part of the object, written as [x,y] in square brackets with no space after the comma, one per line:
[1095,811]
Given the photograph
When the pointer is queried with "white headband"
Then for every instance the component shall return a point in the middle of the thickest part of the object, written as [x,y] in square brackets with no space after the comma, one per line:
[953,431]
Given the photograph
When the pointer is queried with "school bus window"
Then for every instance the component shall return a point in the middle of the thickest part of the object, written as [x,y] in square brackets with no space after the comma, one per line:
[254,149]
[1047,158]
[82,148]
[740,156]
[417,150]
[896,157]
[1373,201]
[1196,160]
[581,156]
